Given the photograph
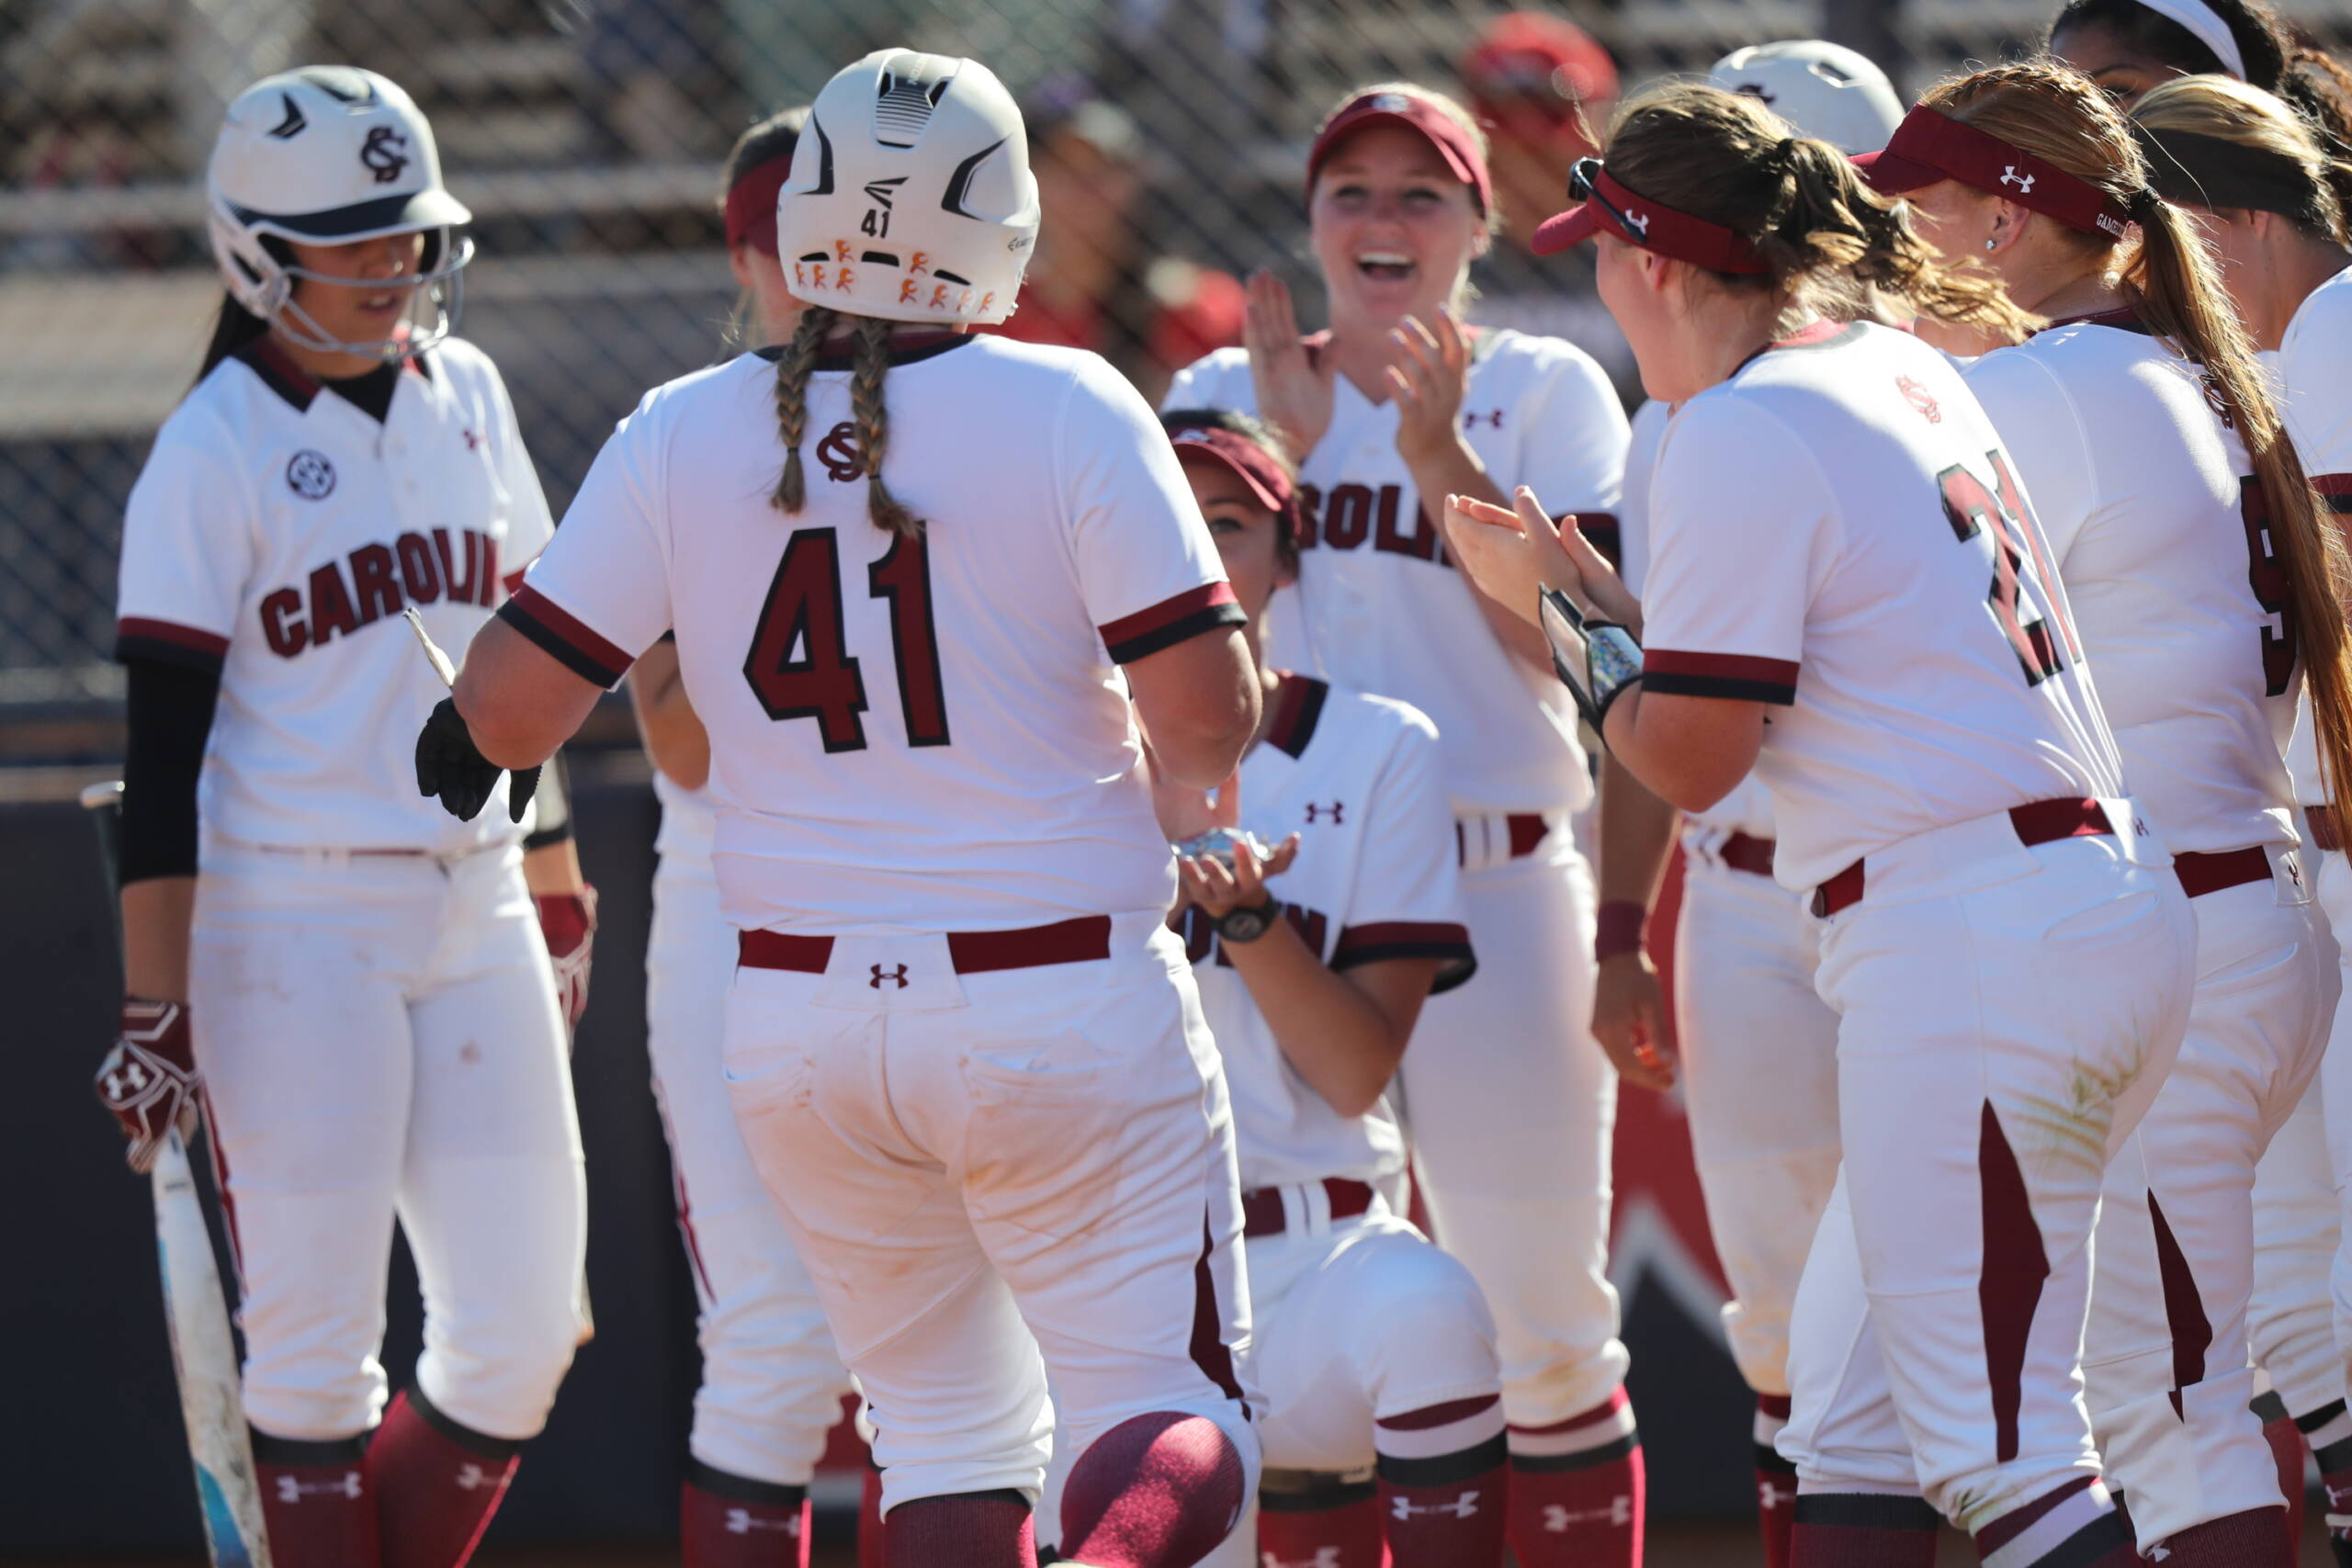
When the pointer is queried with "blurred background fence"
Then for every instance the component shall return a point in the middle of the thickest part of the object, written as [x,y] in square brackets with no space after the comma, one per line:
[585,135]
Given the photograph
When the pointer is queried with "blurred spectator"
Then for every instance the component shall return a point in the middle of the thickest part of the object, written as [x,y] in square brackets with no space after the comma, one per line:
[1545,91]
[1092,283]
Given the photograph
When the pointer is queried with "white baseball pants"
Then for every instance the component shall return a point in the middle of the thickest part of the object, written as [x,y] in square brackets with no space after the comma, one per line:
[2005,1015]
[1759,1085]
[772,1381]
[1511,1105]
[993,1175]
[2164,1361]
[379,1037]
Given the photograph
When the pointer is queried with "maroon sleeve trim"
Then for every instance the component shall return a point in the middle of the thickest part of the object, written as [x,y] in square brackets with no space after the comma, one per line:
[2336,490]
[168,642]
[1172,621]
[1738,676]
[564,638]
[1449,944]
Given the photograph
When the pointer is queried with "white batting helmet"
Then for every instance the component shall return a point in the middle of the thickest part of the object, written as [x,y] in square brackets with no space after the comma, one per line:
[911,197]
[328,155]
[1824,90]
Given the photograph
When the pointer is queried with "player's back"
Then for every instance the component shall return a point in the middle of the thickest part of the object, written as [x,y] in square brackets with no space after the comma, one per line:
[2162,542]
[928,732]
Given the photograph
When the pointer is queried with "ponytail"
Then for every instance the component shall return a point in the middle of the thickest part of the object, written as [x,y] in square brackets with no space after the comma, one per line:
[231,331]
[868,411]
[2173,283]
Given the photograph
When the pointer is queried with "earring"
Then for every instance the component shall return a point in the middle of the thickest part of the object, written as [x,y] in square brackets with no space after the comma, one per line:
[1991,245]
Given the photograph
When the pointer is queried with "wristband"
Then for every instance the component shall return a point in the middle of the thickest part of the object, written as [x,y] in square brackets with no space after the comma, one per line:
[1618,930]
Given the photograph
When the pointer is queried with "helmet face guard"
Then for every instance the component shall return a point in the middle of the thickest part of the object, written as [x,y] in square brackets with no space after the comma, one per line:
[441,286]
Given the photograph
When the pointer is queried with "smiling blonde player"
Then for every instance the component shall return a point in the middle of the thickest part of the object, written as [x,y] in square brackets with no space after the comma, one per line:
[359,980]
[1509,1104]
[963,1047]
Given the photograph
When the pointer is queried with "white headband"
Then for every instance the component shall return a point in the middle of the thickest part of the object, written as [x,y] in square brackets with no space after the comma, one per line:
[2207,25]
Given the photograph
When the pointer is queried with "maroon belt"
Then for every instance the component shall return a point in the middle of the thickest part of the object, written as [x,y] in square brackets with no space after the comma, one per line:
[1527,829]
[1262,1210]
[1745,851]
[2200,874]
[2037,822]
[2321,822]
[973,953]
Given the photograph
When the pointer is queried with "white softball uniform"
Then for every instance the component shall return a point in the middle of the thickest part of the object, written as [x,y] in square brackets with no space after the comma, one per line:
[1759,1047]
[2308,1172]
[1836,532]
[965,1054]
[1509,1103]
[1354,1316]
[2182,609]
[372,1004]
[772,1381]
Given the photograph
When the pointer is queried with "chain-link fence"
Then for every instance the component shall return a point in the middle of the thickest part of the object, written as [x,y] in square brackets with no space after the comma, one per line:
[586,135]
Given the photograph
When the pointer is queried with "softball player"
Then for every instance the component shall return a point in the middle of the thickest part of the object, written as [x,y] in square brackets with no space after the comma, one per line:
[2204,605]
[2254,171]
[1758,1047]
[772,1381]
[2005,947]
[963,1048]
[1509,1105]
[2131,47]
[1384,1420]
[359,981]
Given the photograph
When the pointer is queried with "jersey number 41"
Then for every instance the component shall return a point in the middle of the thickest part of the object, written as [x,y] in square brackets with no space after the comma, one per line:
[804,611]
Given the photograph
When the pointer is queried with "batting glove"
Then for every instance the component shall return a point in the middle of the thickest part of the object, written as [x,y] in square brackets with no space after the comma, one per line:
[568,921]
[450,765]
[149,1081]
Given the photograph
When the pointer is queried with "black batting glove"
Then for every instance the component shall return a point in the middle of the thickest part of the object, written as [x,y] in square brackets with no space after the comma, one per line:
[448,764]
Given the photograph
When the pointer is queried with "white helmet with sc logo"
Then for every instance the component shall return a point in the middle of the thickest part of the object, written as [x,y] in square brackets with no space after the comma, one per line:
[911,197]
[329,155]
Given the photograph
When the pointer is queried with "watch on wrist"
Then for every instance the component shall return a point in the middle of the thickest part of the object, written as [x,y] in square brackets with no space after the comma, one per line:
[1247,925]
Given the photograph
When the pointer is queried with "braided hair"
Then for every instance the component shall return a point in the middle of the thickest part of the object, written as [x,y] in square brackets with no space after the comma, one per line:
[869,412]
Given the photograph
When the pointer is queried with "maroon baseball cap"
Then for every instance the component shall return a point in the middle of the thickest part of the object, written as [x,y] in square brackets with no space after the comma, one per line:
[1244,458]
[1610,205]
[1928,148]
[1455,142]
[1528,57]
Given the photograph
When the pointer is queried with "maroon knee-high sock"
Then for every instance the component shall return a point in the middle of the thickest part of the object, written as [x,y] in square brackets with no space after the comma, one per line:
[1156,1491]
[2286,1440]
[2084,1528]
[1327,1524]
[1447,1512]
[436,1483]
[2242,1541]
[1577,1490]
[733,1521]
[1862,1529]
[2324,1430]
[872,1552]
[315,1502]
[970,1529]
[1776,1481]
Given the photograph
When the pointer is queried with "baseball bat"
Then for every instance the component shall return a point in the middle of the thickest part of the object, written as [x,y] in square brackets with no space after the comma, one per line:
[196,1313]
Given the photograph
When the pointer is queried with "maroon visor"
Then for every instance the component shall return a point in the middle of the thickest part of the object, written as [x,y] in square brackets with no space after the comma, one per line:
[1609,205]
[1455,141]
[1242,458]
[1928,148]
[751,204]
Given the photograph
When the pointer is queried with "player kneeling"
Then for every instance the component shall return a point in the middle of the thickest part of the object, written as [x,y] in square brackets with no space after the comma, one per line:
[1376,1349]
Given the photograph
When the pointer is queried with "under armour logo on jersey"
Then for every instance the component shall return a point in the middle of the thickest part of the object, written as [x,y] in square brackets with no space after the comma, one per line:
[310,475]
[1920,398]
[881,975]
[1470,421]
[1462,1508]
[473,440]
[1619,1512]
[295,122]
[741,1522]
[1325,1557]
[2009,177]
[1317,813]
[290,1490]
[838,451]
[386,153]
